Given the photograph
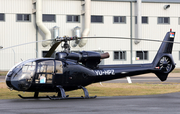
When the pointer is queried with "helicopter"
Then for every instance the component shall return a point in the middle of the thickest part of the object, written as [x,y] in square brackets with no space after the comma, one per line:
[70,71]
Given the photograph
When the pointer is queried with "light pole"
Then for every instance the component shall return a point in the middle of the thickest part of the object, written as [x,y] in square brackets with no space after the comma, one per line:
[14,55]
[143,55]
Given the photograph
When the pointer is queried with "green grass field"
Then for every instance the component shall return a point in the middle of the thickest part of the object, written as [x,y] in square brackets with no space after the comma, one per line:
[3,73]
[108,89]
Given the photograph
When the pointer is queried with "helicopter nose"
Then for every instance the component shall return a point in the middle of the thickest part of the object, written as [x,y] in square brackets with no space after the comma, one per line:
[17,81]
[20,77]
[11,84]
[8,79]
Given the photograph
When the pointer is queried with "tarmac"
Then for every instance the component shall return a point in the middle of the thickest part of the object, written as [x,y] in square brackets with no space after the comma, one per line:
[150,104]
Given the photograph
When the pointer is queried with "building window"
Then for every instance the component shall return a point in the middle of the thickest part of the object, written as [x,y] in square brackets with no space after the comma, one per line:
[179,20]
[141,55]
[145,20]
[97,19]
[23,17]
[119,19]
[119,55]
[73,18]
[49,18]
[163,20]
[2,17]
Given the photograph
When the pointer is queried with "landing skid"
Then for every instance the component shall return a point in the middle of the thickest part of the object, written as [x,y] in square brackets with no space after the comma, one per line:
[61,95]
[31,97]
[60,98]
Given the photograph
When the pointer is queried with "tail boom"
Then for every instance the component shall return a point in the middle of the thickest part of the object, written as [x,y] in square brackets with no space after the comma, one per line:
[162,64]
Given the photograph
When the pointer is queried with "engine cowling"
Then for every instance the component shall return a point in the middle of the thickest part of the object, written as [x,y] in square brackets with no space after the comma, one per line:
[88,58]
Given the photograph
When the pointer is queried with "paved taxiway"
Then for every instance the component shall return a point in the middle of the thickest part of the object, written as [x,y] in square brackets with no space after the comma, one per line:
[151,104]
[2,78]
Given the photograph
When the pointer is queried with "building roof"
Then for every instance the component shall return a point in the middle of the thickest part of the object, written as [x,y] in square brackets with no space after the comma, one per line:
[158,1]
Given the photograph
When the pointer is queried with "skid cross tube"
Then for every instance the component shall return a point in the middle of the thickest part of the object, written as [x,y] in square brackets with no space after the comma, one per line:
[61,93]
[86,94]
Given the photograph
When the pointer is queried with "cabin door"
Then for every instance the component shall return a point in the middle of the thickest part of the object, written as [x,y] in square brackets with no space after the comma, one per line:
[45,72]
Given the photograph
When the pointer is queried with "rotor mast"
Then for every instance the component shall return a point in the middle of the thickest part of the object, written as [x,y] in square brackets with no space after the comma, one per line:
[66,47]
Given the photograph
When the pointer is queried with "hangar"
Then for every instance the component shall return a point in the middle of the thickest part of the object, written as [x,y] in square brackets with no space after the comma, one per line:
[23,21]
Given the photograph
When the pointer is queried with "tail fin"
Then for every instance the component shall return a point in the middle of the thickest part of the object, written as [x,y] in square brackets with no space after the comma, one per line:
[163,61]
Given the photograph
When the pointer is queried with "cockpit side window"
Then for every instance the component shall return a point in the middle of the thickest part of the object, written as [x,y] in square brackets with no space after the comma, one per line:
[59,69]
[45,70]
[46,66]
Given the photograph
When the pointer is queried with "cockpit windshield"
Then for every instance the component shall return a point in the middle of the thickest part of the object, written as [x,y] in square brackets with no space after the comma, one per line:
[29,72]
[23,75]
[25,71]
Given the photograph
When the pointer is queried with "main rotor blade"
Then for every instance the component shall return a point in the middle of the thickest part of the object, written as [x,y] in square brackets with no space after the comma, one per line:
[131,38]
[52,49]
[26,44]
[60,39]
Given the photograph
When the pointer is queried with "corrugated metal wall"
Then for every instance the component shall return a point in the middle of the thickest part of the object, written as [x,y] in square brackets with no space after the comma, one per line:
[13,32]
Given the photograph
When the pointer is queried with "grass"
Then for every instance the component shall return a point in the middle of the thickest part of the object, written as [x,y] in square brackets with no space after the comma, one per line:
[3,73]
[108,89]
[176,70]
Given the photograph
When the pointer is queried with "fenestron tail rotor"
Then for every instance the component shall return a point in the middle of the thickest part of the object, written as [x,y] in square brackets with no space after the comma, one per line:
[165,64]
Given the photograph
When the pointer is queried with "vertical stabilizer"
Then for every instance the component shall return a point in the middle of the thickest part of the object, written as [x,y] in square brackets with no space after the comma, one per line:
[163,61]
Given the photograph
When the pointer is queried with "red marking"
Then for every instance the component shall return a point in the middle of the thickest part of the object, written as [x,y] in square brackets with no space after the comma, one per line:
[170,30]
[157,67]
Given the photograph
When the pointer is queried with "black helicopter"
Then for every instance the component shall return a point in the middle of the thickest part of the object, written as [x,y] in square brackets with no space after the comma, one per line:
[70,71]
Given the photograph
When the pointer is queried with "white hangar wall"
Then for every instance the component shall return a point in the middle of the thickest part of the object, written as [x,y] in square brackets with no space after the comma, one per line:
[14,33]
